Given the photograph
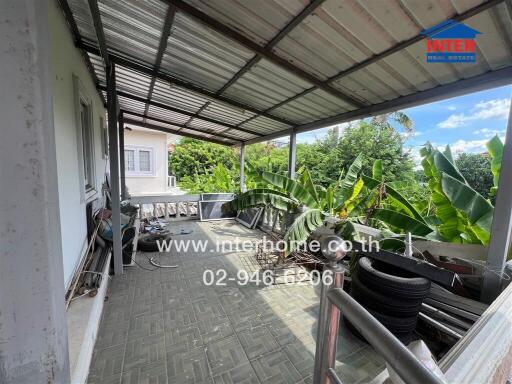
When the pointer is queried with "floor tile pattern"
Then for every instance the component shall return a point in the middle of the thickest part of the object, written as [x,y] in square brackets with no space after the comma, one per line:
[165,326]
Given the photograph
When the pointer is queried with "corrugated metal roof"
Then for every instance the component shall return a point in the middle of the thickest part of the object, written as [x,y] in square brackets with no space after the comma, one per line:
[345,58]
[200,55]
[173,96]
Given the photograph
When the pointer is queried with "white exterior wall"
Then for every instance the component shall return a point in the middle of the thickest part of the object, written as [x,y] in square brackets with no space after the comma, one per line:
[33,340]
[66,61]
[158,142]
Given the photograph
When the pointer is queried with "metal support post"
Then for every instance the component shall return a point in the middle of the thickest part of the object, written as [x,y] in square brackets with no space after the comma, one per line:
[113,133]
[121,156]
[499,245]
[292,155]
[242,168]
[329,316]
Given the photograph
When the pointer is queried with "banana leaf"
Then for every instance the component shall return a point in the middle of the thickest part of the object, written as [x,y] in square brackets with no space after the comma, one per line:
[307,183]
[292,187]
[346,230]
[348,182]
[263,197]
[495,148]
[329,199]
[348,205]
[402,221]
[451,222]
[302,227]
[478,210]
[372,183]
[444,164]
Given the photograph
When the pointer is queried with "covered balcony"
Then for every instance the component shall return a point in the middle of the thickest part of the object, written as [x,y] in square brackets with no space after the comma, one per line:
[232,73]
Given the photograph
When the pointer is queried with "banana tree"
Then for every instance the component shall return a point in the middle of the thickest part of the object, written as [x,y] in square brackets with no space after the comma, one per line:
[462,215]
[495,149]
[312,203]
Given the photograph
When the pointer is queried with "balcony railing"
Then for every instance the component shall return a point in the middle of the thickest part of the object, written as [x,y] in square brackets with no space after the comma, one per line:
[333,299]
[170,207]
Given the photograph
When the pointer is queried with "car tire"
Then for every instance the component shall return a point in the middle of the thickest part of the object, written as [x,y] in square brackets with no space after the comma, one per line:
[386,304]
[150,243]
[390,280]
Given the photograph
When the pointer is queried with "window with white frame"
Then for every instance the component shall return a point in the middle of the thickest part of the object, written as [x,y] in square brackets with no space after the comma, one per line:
[85,141]
[139,161]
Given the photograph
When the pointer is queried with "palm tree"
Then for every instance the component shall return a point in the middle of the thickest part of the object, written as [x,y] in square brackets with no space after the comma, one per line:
[399,117]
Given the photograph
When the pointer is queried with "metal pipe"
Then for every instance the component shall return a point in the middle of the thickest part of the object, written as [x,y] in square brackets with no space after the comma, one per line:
[443,328]
[333,376]
[443,315]
[328,323]
[113,134]
[242,168]
[408,367]
[121,156]
[292,155]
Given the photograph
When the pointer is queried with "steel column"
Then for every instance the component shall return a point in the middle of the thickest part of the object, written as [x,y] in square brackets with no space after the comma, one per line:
[499,245]
[121,155]
[328,324]
[113,149]
[242,167]
[292,155]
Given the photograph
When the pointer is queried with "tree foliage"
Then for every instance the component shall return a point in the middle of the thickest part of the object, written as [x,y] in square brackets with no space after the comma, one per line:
[195,157]
[476,169]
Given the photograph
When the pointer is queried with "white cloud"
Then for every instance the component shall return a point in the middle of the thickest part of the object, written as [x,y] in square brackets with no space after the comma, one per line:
[451,107]
[497,108]
[486,132]
[475,146]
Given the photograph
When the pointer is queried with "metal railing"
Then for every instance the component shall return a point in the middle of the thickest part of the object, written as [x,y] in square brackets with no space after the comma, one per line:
[170,207]
[332,299]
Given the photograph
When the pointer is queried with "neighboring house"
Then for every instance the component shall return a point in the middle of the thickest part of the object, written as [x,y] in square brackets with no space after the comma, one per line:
[146,160]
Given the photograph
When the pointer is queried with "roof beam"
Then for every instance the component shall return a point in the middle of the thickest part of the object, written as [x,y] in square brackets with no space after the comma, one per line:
[310,8]
[147,69]
[394,49]
[256,48]
[98,27]
[162,129]
[220,134]
[181,111]
[478,83]
[166,32]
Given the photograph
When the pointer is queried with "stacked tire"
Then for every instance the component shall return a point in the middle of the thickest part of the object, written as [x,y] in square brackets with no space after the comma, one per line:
[392,295]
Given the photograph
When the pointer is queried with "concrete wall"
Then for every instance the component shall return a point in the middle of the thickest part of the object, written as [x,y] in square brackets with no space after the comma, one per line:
[33,339]
[66,61]
[158,141]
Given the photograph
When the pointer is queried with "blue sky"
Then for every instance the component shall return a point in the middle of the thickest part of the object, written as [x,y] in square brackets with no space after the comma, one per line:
[464,122]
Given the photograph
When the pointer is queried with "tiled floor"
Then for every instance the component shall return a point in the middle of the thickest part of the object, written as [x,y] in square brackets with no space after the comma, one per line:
[166,326]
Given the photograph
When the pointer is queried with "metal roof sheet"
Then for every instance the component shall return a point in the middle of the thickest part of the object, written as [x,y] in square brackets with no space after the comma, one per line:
[327,61]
